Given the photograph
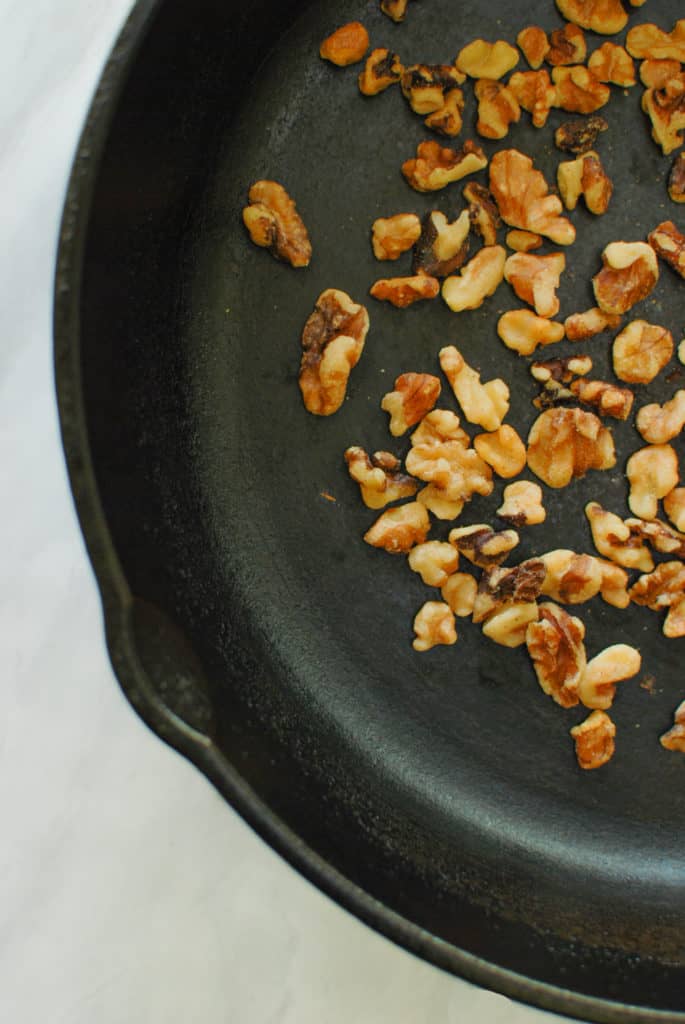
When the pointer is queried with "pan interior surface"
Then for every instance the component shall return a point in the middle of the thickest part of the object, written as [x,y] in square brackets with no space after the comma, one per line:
[443,785]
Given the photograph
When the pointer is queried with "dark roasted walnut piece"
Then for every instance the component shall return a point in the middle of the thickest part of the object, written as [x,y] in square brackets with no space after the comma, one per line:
[499,586]
[669,243]
[383,68]
[579,136]
[482,545]
[442,247]
[424,86]
[332,343]
[274,224]
[483,212]
[676,181]
[379,476]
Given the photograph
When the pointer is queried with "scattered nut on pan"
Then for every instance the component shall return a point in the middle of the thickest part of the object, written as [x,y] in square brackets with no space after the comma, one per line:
[274,223]
[501,586]
[453,474]
[556,375]
[479,279]
[439,426]
[567,46]
[522,505]
[395,9]
[674,507]
[641,351]
[566,443]
[574,579]
[482,545]
[534,45]
[523,331]
[674,739]
[436,166]
[434,561]
[652,473]
[654,74]
[659,424]
[523,241]
[459,592]
[391,236]
[616,540]
[508,627]
[669,243]
[613,665]
[447,120]
[498,108]
[383,68]
[524,200]
[398,530]
[581,326]
[607,398]
[332,343]
[556,646]
[347,45]
[535,93]
[487,60]
[424,86]
[405,291]
[585,176]
[502,449]
[535,279]
[579,136]
[651,41]
[666,110]
[483,212]
[613,64]
[380,477]
[441,247]
[578,91]
[664,589]
[414,396]
[629,273]
[484,404]
[676,180]
[434,626]
[606,17]
[594,741]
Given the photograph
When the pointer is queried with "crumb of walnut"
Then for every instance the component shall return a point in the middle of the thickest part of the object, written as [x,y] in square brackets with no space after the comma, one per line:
[613,64]
[391,236]
[454,473]
[436,166]
[659,424]
[447,119]
[439,426]
[651,41]
[487,60]
[676,180]
[608,399]
[579,137]
[484,404]
[483,212]
[395,9]
[522,331]
[434,561]
[641,351]
[606,17]
[459,592]
[441,247]
[509,626]
[613,665]
[674,507]
[383,68]
[654,74]
[498,108]
[482,545]
[666,110]
[397,530]
[405,291]
[424,86]
[566,443]
[380,478]
[674,739]
[567,46]
[522,505]
[664,589]
[616,540]
[434,626]
[535,93]
[523,241]
[594,741]
[274,223]
[502,449]
[669,243]
[574,579]
[500,587]
[347,45]
[535,279]
[555,645]
[478,279]
[578,91]
[581,326]
[652,474]
[332,343]
[524,200]
[414,396]
[629,273]
[534,45]
[585,176]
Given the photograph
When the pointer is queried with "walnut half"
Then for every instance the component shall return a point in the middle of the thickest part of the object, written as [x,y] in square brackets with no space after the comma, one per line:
[332,343]
[274,224]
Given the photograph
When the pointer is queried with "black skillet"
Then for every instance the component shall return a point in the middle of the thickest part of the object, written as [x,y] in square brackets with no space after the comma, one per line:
[435,796]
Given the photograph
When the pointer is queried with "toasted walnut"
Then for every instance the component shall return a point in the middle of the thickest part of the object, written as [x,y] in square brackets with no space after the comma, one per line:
[483,212]
[501,587]
[459,592]
[479,279]
[332,343]
[442,247]
[664,589]
[641,351]
[616,540]
[447,120]
[594,740]
[611,63]
[274,223]
[379,476]
[383,68]
[652,474]
[661,536]
[574,579]
[555,645]
[651,41]
[659,424]
[674,507]
[556,375]
[585,176]
[487,60]
[434,561]
[439,426]
[654,74]
[482,545]
[435,166]
[498,108]
[434,625]
[674,739]
[405,291]
[454,474]
[391,236]
[523,241]
[503,449]
[523,198]
[669,243]
[666,110]
[581,326]
[608,399]
[613,665]
[522,505]
[415,395]
[676,180]
[534,45]
[578,91]
[566,443]
[509,627]
[395,9]
[522,331]
[579,136]
[535,279]
[606,17]
[424,86]
[567,46]
[436,500]
[483,404]
[397,530]
[535,93]
[347,45]
[629,273]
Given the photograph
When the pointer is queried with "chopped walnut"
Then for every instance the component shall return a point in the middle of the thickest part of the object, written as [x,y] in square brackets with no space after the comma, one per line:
[641,351]
[482,545]
[629,273]
[581,326]
[522,505]
[585,176]
[567,46]
[509,626]
[578,91]
[391,236]
[332,343]
[498,108]
[439,426]
[611,63]
[574,579]
[424,86]
[579,136]
[500,587]
[274,223]
[608,399]
[487,60]
[535,279]
[502,449]
[535,93]
[606,17]
[651,41]
[383,68]
[616,540]
[659,424]
[483,404]
[555,645]
[674,739]
[654,74]
[661,536]
[594,740]
[415,395]
[613,665]
[436,500]
[459,592]
[434,625]
[664,589]
[522,331]
[483,212]
[652,474]
[666,110]
[669,243]
[534,45]
[347,45]
[405,291]
[674,507]
[436,166]
[379,476]
[455,473]
[395,9]
[442,247]
[434,561]
[556,375]
[676,180]
[397,530]
[523,198]
[447,120]
[523,241]
[566,443]
[479,279]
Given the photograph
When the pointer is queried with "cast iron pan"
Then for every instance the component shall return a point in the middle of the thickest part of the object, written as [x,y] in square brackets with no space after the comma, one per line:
[435,796]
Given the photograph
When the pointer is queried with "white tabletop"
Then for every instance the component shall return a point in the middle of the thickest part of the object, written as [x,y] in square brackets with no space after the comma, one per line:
[129,891]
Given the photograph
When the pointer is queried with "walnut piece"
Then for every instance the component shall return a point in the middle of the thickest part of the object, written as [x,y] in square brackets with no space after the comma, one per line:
[567,46]
[436,166]
[651,41]
[664,588]
[641,351]
[383,68]
[535,279]
[661,536]
[522,331]
[274,223]
[424,86]
[608,399]
[487,60]
[669,243]
[616,540]
[434,625]
[483,404]
[579,136]
[434,561]
[613,665]
[523,198]
[453,474]
[397,530]
[555,645]
[395,9]
[379,476]
[578,91]
[606,17]
[581,326]
[447,120]
[439,426]
[483,212]
[674,507]
[585,176]
[502,449]
[522,505]
[629,273]
[566,443]
[659,424]
[676,180]
[415,395]
[479,279]
[459,592]
[594,740]
[534,45]
[652,474]
[666,110]
[655,74]
[613,64]
[535,93]
[674,739]
[347,45]
[332,343]
[391,236]
[482,545]
[523,241]
[436,500]
[442,247]
[502,587]
[509,626]
[574,579]
[498,108]
[556,375]
[405,291]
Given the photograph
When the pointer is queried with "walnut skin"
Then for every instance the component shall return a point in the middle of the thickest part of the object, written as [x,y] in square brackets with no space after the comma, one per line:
[405,291]
[523,198]
[332,343]
[379,476]
[566,443]
[534,92]
[398,529]
[674,739]
[629,273]
[436,166]
[482,545]
[434,625]
[487,60]
[383,68]
[498,108]
[641,351]
[556,376]
[579,136]
[484,404]
[391,236]
[578,91]
[612,64]
[594,740]
[534,45]
[347,45]
[274,223]
[676,180]
[669,243]
[415,395]
[480,278]
[535,279]
[442,247]
[606,17]
[567,46]
[556,647]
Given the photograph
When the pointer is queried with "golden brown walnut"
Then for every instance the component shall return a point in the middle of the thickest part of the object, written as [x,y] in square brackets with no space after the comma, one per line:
[578,91]
[659,424]
[641,351]
[594,741]
[434,626]
[379,476]
[484,404]
[613,665]
[661,536]
[555,645]
[566,443]
[487,60]
[498,108]
[383,68]
[567,46]
[453,474]
[447,119]
[651,41]
[414,395]
[608,399]
[436,166]
[524,200]
[654,74]
[556,375]
[674,739]
[522,331]
[613,64]
[332,343]
[585,176]
[652,474]
[666,110]
[439,426]
[459,592]
[434,561]
[405,291]
[581,326]
[391,236]
[629,273]
[669,243]
[502,449]
[274,224]
[424,86]
[523,241]
[397,530]
[674,507]
[479,279]
[483,212]
[509,626]
[535,93]
[574,579]
[522,505]
[347,45]
[535,279]
[395,9]
[606,17]
[676,180]
[442,247]
[579,136]
[534,45]
[664,589]
[499,587]
[482,545]
[436,500]
[616,540]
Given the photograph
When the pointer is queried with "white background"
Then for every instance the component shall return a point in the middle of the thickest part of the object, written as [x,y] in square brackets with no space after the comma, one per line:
[129,891]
